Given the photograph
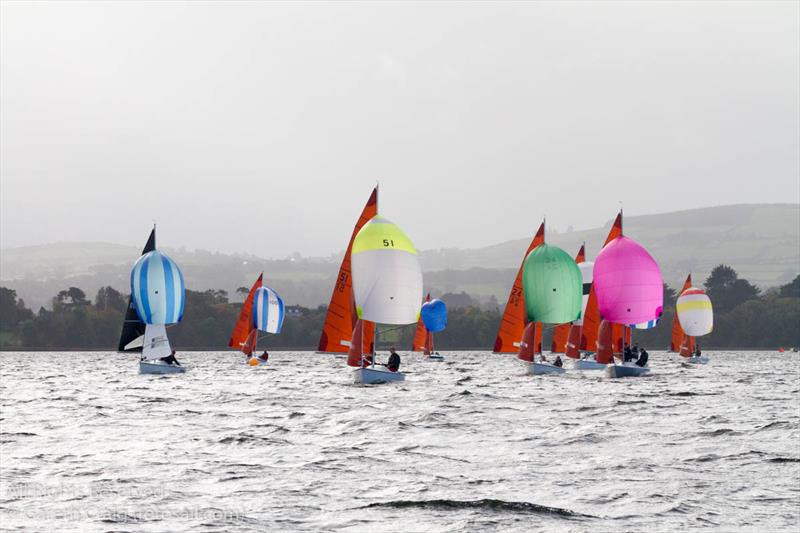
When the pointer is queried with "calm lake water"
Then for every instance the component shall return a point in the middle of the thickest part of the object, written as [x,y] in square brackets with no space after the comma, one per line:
[88,444]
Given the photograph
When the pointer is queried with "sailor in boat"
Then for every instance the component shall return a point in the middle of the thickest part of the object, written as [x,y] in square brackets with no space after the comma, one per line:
[558,362]
[264,357]
[393,364]
[627,355]
[697,352]
[366,360]
[542,358]
[643,356]
[170,359]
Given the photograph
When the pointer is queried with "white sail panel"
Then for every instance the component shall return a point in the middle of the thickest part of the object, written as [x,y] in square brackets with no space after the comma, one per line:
[156,343]
[387,276]
[586,273]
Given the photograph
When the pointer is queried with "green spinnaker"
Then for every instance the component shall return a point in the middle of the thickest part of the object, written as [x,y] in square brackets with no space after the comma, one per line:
[552,286]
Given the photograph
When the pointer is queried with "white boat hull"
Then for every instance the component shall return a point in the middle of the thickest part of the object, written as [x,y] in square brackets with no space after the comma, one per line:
[695,360]
[626,370]
[433,358]
[588,364]
[373,376]
[540,369]
[157,367]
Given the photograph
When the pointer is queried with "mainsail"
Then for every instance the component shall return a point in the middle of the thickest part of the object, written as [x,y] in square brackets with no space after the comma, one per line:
[341,317]
[132,336]
[512,325]
[677,331]
[420,342]
[242,337]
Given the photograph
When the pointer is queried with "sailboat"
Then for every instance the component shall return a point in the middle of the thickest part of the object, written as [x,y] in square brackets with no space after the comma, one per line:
[157,300]
[432,319]
[591,350]
[630,293]
[262,310]
[387,287]
[552,289]
[515,336]
[340,321]
[695,317]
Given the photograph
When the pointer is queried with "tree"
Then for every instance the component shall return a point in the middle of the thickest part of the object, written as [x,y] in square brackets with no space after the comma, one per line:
[791,289]
[70,298]
[109,298]
[726,290]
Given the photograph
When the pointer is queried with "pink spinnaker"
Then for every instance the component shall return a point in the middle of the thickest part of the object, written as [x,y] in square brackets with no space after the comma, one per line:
[628,283]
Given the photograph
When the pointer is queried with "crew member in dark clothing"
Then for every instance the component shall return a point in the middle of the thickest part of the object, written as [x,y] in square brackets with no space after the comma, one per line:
[697,352]
[627,355]
[393,364]
[558,362]
[170,359]
[264,357]
[642,361]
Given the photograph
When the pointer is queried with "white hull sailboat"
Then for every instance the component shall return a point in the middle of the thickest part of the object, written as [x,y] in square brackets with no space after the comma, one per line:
[374,376]
[588,364]
[159,367]
[696,360]
[626,370]
[540,369]
[433,358]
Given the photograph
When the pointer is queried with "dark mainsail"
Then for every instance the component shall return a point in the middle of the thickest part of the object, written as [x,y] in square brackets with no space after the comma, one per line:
[132,326]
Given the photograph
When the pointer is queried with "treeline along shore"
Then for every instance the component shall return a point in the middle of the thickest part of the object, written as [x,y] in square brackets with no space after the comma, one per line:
[744,317]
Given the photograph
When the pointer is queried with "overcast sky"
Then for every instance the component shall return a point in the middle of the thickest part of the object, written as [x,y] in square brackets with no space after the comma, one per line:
[262,127]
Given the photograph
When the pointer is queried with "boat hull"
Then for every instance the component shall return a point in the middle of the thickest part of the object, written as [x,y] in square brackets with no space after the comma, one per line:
[588,364]
[255,361]
[151,367]
[541,369]
[701,360]
[626,370]
[374,376]
[433,358]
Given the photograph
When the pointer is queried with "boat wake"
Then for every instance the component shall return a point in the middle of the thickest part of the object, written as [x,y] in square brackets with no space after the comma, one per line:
[485,504]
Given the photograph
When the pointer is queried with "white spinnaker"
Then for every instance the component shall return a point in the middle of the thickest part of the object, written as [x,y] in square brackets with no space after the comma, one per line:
[387,285]
[586,273]
[156,343]
[695,312]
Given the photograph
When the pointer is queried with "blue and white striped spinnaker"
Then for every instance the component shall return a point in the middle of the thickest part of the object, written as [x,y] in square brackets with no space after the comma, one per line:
[157,289]
[267,310]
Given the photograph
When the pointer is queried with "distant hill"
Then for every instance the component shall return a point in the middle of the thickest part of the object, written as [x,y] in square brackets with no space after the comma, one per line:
[762,242]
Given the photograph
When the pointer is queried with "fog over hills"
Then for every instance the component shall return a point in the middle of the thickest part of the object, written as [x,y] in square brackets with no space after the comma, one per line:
[761,241]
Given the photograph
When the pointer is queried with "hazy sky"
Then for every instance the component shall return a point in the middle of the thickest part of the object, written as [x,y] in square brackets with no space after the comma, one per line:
[262,127]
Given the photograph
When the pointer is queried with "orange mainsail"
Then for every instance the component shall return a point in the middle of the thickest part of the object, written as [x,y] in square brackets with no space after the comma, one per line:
[676,344]
[421,334]
[341,318]
[561,332]
[591,319]
[509,335]
[240,337]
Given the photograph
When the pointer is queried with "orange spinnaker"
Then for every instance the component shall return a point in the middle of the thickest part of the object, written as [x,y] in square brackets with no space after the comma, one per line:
[676,343]
[561,332]
[509,335]
[420,334]
[341,318]
[531,343]
[243,327]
